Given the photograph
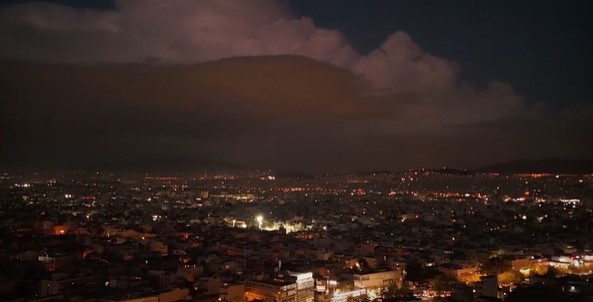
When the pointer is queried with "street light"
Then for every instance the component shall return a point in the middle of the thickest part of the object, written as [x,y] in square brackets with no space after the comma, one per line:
[260,220]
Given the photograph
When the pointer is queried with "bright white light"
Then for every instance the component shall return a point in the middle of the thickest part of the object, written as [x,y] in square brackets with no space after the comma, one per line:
[260,220]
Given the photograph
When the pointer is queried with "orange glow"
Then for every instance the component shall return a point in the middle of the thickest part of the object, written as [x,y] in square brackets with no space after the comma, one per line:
[60,230]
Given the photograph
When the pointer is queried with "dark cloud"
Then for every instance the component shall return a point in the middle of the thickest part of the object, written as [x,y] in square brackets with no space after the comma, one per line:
[245,81]
[123,109]
[198,31]
[284,112]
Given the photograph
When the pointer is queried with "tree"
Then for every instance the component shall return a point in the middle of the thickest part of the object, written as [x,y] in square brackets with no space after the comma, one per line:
[392,292]
[553,272]
[415,271]
[405,289]
[510,277]
[538,269]
[361,298]
[493,266]
[442,283]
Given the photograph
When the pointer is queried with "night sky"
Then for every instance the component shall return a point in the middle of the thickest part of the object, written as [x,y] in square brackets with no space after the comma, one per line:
[311,86]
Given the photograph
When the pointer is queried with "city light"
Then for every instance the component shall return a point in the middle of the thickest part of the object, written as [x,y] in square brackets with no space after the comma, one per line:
[307,209]
[280,151]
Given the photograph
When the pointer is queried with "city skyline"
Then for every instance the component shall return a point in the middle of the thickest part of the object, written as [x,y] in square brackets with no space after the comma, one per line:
[294,85]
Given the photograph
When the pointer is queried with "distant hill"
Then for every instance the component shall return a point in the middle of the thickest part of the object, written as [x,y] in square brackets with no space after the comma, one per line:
[175,165]
[552,166]
[444,170]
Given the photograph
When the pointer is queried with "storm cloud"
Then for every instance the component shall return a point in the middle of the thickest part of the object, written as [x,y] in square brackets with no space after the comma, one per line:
[247,82]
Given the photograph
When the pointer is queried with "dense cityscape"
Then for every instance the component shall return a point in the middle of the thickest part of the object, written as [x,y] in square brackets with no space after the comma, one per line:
[296,151]
[435,235]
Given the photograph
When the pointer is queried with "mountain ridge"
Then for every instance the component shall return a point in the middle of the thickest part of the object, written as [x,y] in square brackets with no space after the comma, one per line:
[551,166]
